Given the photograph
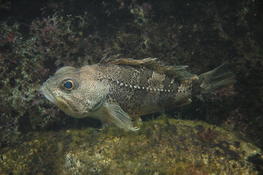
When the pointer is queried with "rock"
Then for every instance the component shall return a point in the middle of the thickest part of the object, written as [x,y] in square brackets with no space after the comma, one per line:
[166,146]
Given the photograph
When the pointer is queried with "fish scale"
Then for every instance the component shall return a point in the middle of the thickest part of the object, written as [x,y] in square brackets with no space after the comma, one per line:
[135,89]
[122,89]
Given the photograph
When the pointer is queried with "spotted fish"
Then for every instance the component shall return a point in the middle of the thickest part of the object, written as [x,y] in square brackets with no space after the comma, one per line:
[120,90]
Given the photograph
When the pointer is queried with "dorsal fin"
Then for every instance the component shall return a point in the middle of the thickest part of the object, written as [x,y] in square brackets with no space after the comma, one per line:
[177,72]
[135,62]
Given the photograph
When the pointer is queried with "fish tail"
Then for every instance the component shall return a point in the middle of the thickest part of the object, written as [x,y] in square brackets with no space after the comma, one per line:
[217,78]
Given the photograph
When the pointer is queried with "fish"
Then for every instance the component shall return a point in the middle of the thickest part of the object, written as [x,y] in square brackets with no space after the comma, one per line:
[119,91]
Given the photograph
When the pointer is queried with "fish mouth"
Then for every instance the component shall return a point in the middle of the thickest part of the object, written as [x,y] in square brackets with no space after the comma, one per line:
[47,93]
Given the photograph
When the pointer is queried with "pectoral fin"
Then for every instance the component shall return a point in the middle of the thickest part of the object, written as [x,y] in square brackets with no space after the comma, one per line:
[116,115]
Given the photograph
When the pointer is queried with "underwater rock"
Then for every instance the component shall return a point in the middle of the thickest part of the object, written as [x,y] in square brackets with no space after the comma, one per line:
[201,35]
[164,146]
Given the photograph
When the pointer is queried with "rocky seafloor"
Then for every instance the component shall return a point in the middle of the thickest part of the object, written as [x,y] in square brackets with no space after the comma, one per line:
[36,137]
[166,146]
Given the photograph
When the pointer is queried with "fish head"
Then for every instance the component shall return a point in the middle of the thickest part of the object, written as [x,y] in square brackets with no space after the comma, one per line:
[74,91]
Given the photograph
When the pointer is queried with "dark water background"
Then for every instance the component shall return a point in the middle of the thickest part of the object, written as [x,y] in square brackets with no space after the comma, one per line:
[38,37]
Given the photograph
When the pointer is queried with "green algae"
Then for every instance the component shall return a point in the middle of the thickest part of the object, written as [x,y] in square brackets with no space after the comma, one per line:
[159,147]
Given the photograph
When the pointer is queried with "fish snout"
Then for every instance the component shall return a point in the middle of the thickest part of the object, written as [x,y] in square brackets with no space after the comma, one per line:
[47,93]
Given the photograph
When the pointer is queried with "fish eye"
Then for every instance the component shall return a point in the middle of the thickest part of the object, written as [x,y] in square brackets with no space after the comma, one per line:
[68,84]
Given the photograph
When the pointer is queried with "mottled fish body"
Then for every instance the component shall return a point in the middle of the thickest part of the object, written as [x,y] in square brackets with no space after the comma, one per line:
[123,89]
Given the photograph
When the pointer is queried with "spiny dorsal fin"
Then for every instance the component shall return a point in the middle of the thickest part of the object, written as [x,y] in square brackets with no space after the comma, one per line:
[177,72]
[108,58]
[134,62]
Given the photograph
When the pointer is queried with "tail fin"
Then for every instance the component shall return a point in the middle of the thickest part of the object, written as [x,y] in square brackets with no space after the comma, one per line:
[217,78]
